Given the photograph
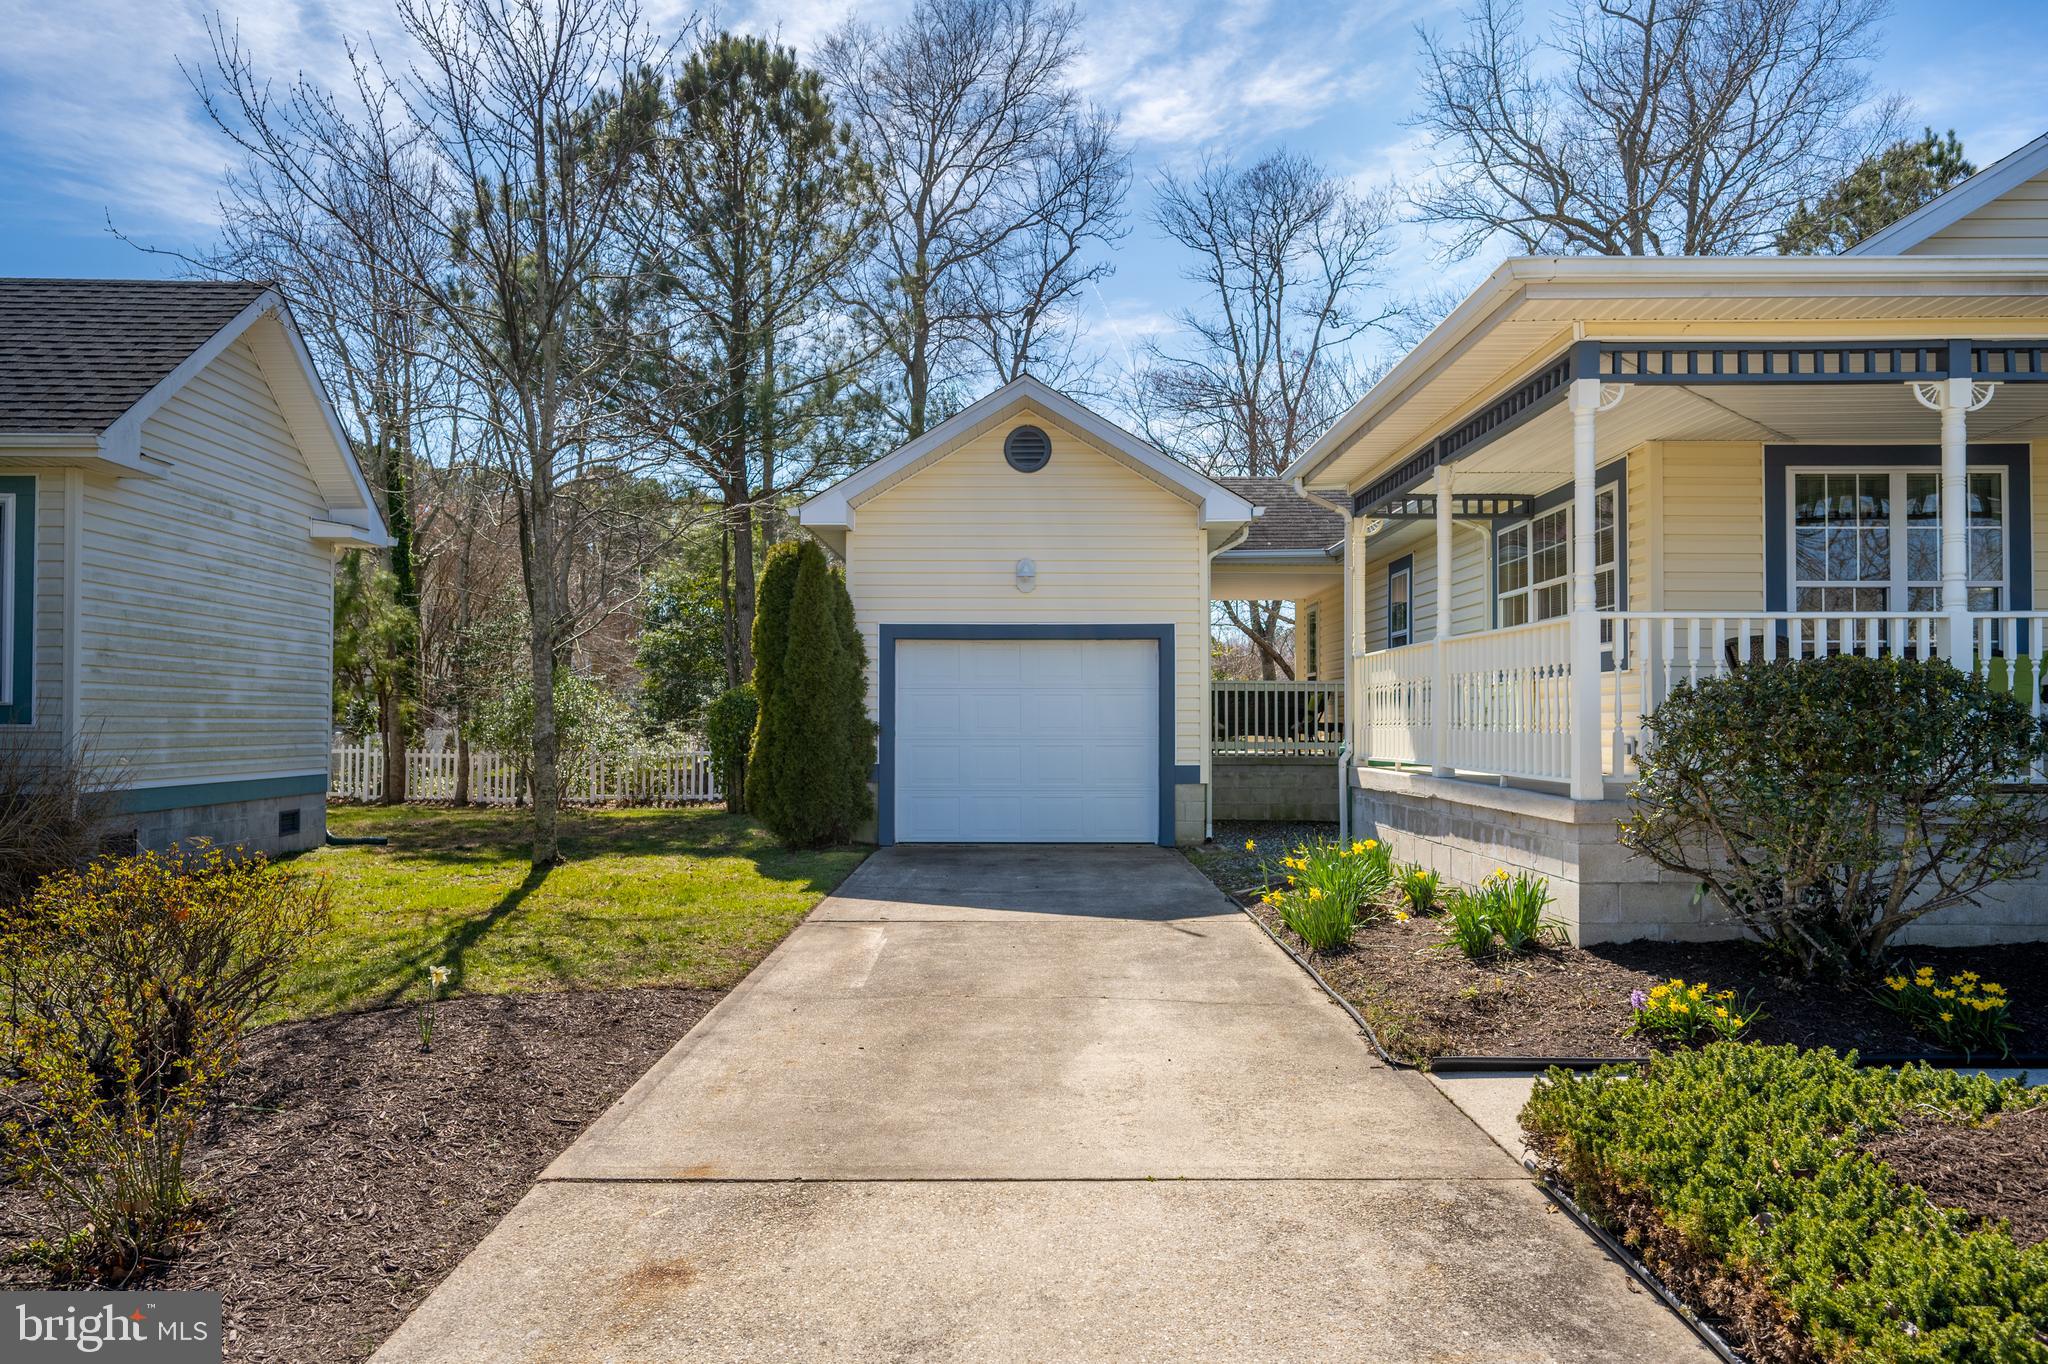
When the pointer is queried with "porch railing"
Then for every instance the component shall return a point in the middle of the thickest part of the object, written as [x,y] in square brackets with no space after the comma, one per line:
[1510,706]
[1284,719]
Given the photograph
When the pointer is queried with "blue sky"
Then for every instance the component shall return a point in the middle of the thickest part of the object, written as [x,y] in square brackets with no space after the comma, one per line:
[97,123]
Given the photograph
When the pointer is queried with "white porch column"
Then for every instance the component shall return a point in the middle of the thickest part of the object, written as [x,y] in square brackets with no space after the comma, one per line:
[1440,688]
[1587,399]
[1954,400]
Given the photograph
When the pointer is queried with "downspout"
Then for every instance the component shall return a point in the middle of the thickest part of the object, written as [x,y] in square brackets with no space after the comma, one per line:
[1209,691]
[1344,750]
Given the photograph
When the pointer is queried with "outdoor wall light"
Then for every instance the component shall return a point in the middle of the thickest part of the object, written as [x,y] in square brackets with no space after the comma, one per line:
[1027,575]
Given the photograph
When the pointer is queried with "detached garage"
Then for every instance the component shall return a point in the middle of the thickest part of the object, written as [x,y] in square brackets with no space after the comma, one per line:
[1032,583]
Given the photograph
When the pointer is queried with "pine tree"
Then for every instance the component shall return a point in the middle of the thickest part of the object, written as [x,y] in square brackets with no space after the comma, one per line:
[1883,188]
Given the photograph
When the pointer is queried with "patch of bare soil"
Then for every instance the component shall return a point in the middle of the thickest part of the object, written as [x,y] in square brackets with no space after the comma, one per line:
[1425,999]
[1996,1172]
[354,1170]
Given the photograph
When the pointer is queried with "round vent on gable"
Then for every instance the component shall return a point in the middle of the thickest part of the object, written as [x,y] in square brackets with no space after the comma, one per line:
[1027,449]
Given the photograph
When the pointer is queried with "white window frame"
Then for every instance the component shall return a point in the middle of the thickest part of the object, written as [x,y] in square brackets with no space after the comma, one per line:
[1405,575]
[1900,584]
[1609,571]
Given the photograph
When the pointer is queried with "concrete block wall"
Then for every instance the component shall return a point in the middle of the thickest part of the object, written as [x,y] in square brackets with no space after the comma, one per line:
[1466,830]
[250,824]
[1190,813]
[1275,787]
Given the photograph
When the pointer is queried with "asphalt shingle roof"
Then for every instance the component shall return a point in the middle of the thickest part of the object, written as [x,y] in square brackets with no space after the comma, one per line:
[77,353]
[1290,520]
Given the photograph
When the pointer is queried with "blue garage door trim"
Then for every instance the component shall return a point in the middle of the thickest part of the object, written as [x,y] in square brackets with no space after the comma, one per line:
[1161,635]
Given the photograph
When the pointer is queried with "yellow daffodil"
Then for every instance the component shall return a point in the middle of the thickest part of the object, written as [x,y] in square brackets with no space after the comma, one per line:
[1251,845]
[1948,1017]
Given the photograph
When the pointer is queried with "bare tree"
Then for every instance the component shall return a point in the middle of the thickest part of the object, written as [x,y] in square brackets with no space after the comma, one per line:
[1646,127]
[507,141]
[996,182]
[1287,259]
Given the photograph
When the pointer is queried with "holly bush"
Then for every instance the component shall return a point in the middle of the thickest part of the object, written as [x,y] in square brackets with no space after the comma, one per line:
[1827,803]
[1737,1172]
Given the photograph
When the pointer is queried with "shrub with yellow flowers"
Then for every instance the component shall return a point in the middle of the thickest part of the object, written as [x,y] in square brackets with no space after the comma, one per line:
[1967,1013]
[128,985]
[1685,1013]
[1329,887]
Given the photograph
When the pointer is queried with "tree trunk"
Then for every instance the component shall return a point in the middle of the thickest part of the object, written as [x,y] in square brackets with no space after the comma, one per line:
[743,587]
[461,760]
[390,719]
[539,552]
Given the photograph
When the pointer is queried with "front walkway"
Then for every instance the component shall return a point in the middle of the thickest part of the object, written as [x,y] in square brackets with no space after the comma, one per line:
[1032,1104]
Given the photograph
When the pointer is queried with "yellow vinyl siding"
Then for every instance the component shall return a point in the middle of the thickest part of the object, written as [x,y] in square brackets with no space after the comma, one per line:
[1111,547]
[2013,224]
[1711,526]
[1329,609]
[1471,572]
[205,606]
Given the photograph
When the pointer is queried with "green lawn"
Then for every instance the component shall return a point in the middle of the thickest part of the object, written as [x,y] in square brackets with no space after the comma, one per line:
[688,897]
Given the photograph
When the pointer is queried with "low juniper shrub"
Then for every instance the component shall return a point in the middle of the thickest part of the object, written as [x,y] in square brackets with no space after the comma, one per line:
[1738,1173]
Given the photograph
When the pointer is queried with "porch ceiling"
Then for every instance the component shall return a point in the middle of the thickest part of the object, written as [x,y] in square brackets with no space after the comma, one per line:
[1537,456]
[1530,310]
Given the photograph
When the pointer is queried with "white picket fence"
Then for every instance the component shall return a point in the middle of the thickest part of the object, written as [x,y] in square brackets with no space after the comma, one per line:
[674,777]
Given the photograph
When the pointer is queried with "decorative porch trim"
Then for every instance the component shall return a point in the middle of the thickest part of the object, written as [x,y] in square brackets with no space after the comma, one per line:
[1705,363]
[885,777]
[2014,460]
[1464,507]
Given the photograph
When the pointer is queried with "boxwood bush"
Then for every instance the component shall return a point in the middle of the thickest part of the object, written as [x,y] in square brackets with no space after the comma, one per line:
[1829,802]
[1737,1173]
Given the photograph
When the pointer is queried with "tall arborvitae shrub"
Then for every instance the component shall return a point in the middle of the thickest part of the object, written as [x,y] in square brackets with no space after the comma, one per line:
[807,780]
[772,597]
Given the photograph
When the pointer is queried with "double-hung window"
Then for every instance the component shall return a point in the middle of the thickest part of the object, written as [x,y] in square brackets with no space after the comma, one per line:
[1400,583]
[1532,564]
[1870,540]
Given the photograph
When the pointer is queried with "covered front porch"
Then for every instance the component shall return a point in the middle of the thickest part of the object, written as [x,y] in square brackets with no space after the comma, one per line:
[1633,515]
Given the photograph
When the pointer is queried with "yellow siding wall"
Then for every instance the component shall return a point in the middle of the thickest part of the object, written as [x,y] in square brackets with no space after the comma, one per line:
[1329,609]
[1711,533]
[1471,569]
[2014,224]
[1111,546]
[2038,484]
[204,605]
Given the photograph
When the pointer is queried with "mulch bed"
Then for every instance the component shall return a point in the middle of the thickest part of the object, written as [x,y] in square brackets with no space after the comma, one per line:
[1425,999]
[1996,1171]
[355,1170]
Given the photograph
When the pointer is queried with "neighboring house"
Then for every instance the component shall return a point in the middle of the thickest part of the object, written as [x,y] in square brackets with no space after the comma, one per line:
[1598,477]
[173,488]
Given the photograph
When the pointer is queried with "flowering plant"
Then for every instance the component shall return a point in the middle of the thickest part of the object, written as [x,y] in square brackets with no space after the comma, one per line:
[1329,885]
[1967,1014]
[1681,1013]
[1419,888]
[437,976]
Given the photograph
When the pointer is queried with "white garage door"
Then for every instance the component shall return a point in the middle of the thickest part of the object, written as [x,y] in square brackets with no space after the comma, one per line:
[1027,741]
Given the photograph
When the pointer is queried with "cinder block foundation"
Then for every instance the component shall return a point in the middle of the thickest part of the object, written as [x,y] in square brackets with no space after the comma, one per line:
[1465,830]
[1275,787]
[250,824]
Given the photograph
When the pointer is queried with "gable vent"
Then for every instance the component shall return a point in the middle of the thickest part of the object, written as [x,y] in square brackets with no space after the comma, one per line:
[1027,449]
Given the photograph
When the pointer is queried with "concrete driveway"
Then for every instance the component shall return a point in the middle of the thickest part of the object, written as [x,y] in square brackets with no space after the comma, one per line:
[1032,1103]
